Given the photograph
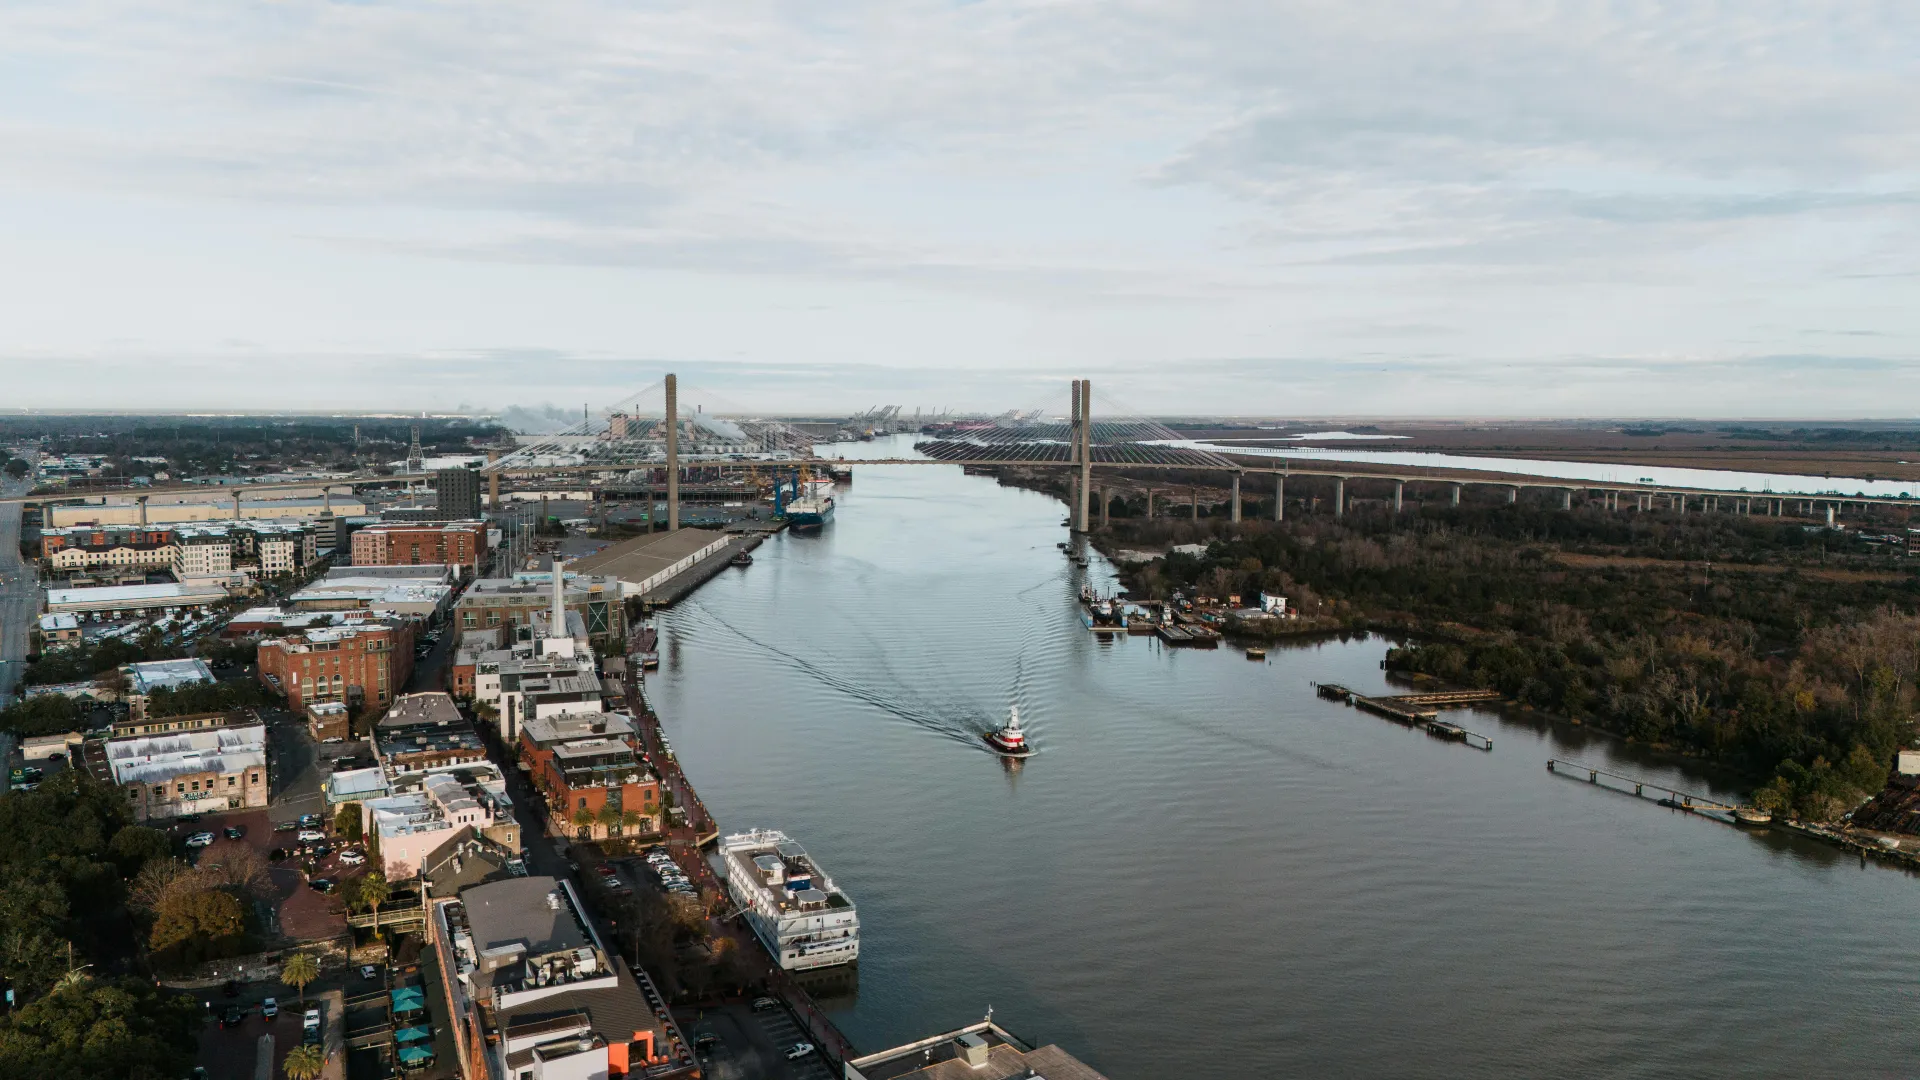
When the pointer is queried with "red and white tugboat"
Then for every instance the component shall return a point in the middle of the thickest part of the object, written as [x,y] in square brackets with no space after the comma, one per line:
[1009,741]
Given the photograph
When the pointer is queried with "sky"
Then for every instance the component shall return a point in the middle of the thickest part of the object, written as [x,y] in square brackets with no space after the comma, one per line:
[1337,208]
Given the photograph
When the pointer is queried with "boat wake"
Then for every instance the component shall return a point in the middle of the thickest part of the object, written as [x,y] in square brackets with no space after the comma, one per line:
[919,713]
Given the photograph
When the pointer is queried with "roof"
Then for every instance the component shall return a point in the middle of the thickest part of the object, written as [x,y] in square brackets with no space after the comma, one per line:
[592,748]
[128,594]
[937,1058]
[437,573]
[429,708]
[644,556]
[157,758]
[60,620]
[372,591]
[517,911]
[351,784]
[168,674]
[571,726]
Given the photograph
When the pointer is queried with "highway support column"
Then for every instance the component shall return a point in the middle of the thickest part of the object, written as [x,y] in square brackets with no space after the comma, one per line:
[1279,497]
[1236,498]
[1339,496]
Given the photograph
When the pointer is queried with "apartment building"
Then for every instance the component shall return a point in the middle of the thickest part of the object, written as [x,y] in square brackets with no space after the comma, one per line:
[251,549]
[427,810]
[211,769]
[424,732]
[120,547]
[363,662]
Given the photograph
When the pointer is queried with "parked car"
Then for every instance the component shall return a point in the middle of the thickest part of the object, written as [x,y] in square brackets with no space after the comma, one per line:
[351,857]
[321,884]
[310,1026]
[310,820]
[200,839]
[760,1004]
[368,971]
[235,832]
[798,1051]
[320,851]
[311,836]
[233,1016]
[270,1008]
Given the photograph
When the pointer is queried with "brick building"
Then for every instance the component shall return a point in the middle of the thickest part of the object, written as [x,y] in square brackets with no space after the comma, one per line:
[462,544]
[496,602]
[362,663]
[85,547]
[591,763]
[208,770]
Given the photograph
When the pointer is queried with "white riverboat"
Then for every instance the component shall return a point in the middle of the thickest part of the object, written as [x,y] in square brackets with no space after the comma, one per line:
[803,919]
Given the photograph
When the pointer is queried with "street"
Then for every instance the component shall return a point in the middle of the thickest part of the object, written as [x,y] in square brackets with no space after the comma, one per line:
[19,594]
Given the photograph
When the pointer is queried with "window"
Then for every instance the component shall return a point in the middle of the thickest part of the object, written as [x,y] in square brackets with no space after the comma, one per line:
[159,791]
[196,785]
[254,779]
[583,802]
[230,781]
[179,789]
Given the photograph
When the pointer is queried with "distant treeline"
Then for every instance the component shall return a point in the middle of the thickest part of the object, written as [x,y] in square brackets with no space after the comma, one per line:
[1785,650]
[207,444]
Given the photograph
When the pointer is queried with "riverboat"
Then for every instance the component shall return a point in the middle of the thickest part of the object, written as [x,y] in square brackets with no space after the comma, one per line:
[1009,741]
[1256,653]
[742,559]
[792,905]
[1752,815]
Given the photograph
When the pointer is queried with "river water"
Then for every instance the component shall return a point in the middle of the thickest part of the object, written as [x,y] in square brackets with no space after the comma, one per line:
[1208,871]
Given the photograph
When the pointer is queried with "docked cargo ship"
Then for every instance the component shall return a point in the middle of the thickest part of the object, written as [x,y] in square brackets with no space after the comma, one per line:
[793,906]
[810,513]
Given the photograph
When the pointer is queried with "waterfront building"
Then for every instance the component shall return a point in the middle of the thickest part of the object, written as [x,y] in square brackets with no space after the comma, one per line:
[536,994]
[357,662]
[645,563]
[590,770]
[979,1051]
[795,909]
[212,769]
[513,601]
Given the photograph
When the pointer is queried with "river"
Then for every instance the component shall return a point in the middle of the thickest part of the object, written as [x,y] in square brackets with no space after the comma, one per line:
[1208,871]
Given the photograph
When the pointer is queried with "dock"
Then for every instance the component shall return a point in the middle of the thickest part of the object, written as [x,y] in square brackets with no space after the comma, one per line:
[1416,710]
[1674,798]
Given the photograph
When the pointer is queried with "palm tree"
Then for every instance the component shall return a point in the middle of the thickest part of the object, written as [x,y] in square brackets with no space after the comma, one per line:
[304,1063]
[299,970]
[583,818]
[374,892]
[608,816]
[631,820]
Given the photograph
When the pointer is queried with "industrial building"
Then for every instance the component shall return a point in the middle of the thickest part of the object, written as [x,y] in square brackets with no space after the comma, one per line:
[123,600]
[493,602]
[647,562]
[157,512]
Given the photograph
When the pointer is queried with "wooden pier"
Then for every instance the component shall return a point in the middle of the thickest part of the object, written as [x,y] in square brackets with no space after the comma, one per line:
[1408,709]
[1674,798]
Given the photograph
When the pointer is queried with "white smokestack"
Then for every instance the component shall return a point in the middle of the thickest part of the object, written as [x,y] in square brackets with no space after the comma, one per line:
[559,626]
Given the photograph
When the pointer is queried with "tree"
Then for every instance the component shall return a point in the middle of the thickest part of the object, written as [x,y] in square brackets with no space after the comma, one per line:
[135,846]
[298,970]
[374,891]
[17,468]
[86,1029]
[346,821]
[608,817]
[304,1063]
[631,821]
[583,818]
[236,867]
[192,925]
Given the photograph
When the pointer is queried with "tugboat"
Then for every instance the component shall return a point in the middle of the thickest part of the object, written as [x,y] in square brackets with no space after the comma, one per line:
[1009,741]
[742,559]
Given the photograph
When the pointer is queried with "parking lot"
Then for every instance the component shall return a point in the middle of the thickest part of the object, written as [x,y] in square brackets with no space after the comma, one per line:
[751,1043]
[235,1050]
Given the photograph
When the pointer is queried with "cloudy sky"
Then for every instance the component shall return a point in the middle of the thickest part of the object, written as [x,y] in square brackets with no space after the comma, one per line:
[1261,207]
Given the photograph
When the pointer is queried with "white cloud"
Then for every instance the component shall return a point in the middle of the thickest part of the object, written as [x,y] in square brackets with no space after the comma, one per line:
[921,189]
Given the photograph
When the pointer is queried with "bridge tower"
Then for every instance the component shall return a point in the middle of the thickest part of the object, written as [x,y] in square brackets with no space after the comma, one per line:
[673,453]
[1086,452]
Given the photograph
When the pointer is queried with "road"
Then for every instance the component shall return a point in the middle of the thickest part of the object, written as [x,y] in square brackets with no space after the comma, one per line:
[19,595]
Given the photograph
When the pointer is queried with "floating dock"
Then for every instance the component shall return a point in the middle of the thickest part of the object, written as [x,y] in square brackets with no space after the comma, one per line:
[1416,710]
[1674,798]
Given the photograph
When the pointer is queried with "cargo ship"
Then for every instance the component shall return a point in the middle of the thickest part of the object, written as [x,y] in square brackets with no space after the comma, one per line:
[810,513]
[793,906]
